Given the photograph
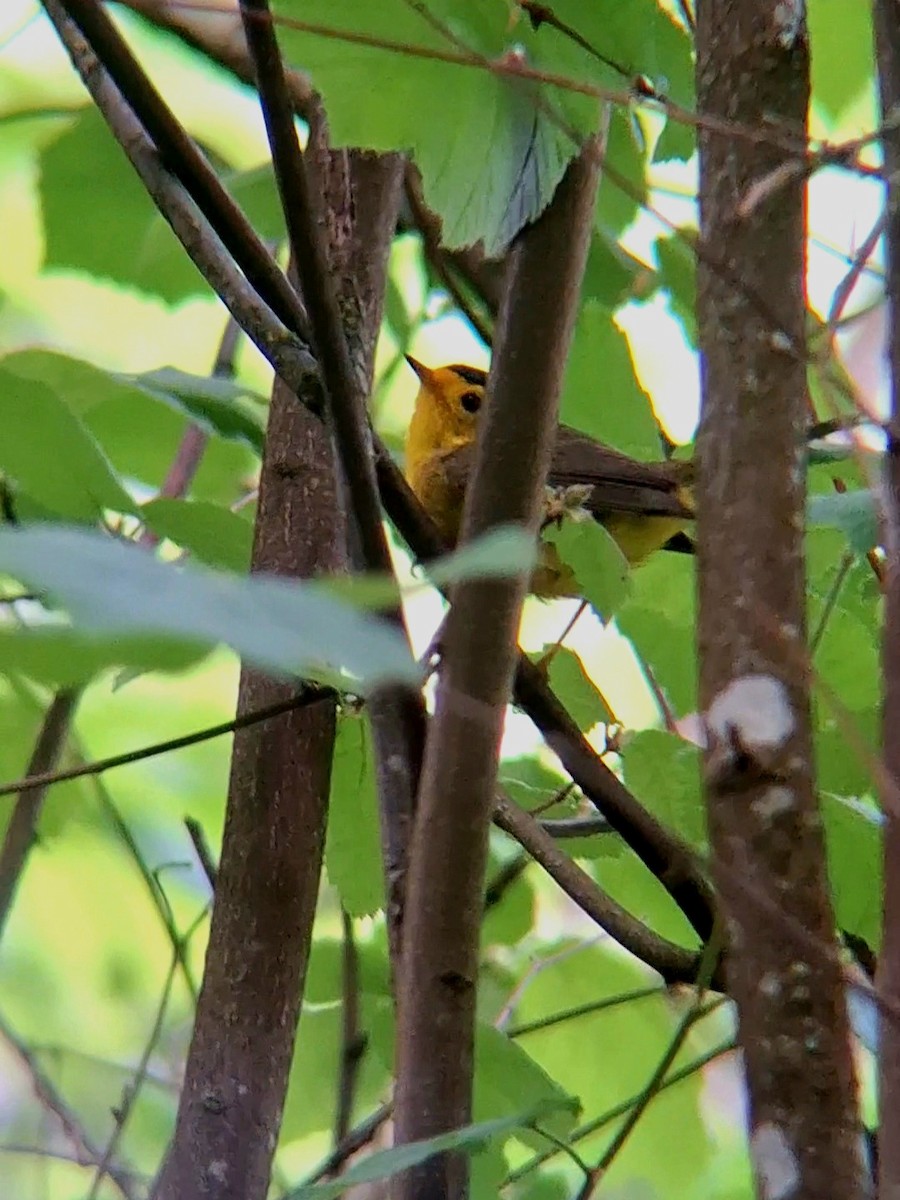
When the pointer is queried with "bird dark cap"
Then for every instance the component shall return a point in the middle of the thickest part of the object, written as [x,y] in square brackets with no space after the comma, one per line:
[473,375]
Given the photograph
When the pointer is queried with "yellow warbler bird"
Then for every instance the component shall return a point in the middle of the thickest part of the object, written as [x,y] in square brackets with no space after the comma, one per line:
[642,505]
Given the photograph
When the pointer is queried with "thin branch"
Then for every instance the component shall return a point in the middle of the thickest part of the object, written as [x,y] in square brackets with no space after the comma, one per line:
[353,1039]
[202,850]
[563,828]
[50,1099]
[183,158]
[22,828]
[674,963]
[310,694]
[505,878]
[133,1088]
[650,1091]
[623,1108]
[543,14]
[661,851]
[151,882]
[857,266]
[344,390]
[583,1010]
[289,357]
[358,1137]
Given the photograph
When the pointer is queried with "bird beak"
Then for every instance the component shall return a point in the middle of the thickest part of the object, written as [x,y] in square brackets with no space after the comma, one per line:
[423,372]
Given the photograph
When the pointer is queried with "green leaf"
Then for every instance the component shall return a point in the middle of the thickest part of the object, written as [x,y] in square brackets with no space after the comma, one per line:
[493,159]
[601,394]
[659,619]
[66,657]
[854,840]
[353,842]
[841,42]
[623,187]
[283,626]
[610,273]
[80,384]
[854,513]
[127,241]
[217,404]
[576,689]
[215,536]
[134,416]
[497,554]
[663,772]
[508,1078]
[385,1163]
[599,566]
[50,455]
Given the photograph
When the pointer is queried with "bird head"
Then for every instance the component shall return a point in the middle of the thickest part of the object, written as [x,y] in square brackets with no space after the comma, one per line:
[455,393]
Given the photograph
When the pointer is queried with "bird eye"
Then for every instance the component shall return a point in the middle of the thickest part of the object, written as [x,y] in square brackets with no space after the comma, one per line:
[471,401]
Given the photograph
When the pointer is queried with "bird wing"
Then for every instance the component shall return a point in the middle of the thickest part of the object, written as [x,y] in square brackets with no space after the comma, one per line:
[619,484]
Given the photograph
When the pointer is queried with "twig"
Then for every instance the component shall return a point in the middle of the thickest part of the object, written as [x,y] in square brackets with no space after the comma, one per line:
[353,1039]
[652,1089]
[583,1010]
[845,288]
[289,357]
[354,1141]
[52,1101]
[22,827]
[132,1090]
[202,850]
[183,158]
[157,896]
[346,400]
[309,695]
[623,1108]
[543,14]
[563,828]
[673,962]
[504,880]
[661,851]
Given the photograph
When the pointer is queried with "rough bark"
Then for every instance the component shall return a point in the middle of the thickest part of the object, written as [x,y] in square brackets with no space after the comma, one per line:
[435,1037]
[769,862]
[361,196]
[240,1054]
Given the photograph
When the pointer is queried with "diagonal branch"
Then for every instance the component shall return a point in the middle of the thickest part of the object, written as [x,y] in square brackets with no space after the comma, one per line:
[22,828]
[673,962]
[183,158]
